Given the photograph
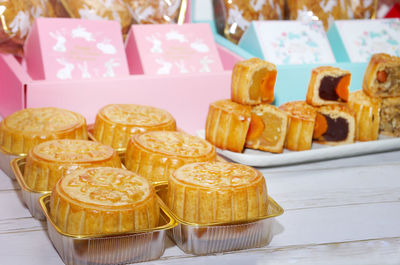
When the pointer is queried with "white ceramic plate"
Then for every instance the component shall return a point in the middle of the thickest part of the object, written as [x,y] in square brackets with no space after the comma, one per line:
[318,152]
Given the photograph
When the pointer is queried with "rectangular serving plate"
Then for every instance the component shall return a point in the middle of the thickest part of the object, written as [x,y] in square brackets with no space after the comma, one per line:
[121,248]
[317,152]
[5,160]
[203,239]
[29,196]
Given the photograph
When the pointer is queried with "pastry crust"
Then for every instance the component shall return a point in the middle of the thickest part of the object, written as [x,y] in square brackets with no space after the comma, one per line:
[267,128]
[103,200]
[382,76]
[390,117]
[324,84]
[47,162]
[253,82]
[210,192]
[340,127]
[116,123]
[155,155]
[366,110]
[24,129]
[227,124]
[300,125]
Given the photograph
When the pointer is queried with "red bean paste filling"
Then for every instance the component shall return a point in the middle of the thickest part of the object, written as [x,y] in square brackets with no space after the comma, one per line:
[327,89]
[338,129]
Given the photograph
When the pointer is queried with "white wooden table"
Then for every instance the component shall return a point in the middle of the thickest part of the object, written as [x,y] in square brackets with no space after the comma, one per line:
[344,211]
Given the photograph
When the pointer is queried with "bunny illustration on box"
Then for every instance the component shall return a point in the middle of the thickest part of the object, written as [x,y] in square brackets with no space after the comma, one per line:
[84,70]
[205,61]
[199,46]
[61,40]
[156,44]
[20,24]
[175,35]
[65,72]
[110,64]
[87,13]
[181,66]
[165,67]
[106,47]
[81,32]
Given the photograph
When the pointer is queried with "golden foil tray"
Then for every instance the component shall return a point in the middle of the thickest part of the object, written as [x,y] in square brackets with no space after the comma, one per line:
[29,196]
[118,248]
[5,160]
[202,239]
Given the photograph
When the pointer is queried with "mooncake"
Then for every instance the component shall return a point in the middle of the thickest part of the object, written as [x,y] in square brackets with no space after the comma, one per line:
[334,125]
[390,117]
[155,12]
[382,76]
[26,128]
[253,82]
[47,162]
[221,192]
[227,124]
[116,123]
[267,130]
[156,154]
[366,110]
[328,85]
[103,200]
[300,125]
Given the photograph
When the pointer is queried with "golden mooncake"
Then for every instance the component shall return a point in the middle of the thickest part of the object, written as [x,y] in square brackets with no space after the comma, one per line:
[366,110]
[47,162]
[253,82]
[26,128]
[390,116]
[267,130]
[155,155]
[116,123]
[328,85]
[227,124]
[103,200]
[221,192]
[300,125]
[334,125]
[382,76]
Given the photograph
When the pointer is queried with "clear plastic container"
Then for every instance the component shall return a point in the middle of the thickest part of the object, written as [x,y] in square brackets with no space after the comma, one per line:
[29,196]
[202,239]
[5,160]
[109,249]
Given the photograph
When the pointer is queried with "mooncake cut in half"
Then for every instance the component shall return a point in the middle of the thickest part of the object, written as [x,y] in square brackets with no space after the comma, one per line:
[328,85]
[267,130]
[300,125]
[155,155]
[227,124]
[382,76]
[47,162]
[103,200]
[366,110]
[390,117]
[26,128]
[116,123]
[334,125]
[253,82]
[212,192]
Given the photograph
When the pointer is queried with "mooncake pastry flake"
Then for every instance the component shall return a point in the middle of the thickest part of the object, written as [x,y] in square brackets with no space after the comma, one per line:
[390,117]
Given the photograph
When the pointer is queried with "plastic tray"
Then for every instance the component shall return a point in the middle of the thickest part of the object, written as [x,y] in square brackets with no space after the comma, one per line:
[206,239]
[5,160]
[109,249]
[29,196]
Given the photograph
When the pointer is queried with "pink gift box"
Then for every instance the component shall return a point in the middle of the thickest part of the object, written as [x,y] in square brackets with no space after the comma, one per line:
[186,97]
[172,49]
[65,48]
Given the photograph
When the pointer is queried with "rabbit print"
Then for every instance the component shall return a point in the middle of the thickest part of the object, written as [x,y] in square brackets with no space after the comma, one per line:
[110,64]
[199,46]
[165,67]
[156,44]
[106,47]
[61,40]
[81,32]
[181,66]
[175,35]
[84,70]
[65,72]
[205,61]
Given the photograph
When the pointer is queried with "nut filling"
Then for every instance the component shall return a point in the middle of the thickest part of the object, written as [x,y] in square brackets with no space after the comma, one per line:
[390,118]
[388,80]
[327,89]
[338,129]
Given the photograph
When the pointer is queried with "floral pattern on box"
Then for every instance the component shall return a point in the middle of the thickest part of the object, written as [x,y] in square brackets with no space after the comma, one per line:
[294,42]
[362,38]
